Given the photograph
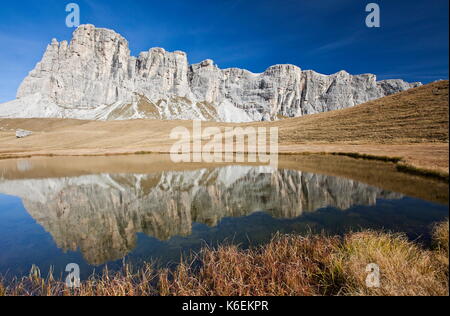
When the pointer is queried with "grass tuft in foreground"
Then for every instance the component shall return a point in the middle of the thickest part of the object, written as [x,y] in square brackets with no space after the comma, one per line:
[440,236]
[405,268]
[289,265]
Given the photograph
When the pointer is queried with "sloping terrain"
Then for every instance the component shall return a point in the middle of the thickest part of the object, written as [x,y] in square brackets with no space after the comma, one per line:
[416,116]
[412,125]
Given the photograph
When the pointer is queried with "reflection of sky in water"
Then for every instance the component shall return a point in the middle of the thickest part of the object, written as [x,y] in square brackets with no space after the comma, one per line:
[97,219]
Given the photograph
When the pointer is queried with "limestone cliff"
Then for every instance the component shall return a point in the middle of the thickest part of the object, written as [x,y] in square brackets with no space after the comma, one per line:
[95,77]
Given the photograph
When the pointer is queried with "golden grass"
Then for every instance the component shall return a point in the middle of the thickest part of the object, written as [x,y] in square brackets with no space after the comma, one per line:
[419,115]
[441,244]
[146,107]
[440,236]
[406,269]
[437,174]
[122,283]
[288,266]
[412,125]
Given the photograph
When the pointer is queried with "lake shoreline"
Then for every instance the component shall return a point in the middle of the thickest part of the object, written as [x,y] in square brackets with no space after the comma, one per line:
[375,172]
[410,128]
[414,163]
[289,265]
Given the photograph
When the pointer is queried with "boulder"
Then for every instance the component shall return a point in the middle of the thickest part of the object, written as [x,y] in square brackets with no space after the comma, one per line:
[23,133]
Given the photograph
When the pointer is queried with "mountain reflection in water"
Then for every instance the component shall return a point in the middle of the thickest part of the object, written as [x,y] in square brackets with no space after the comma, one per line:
[101,215]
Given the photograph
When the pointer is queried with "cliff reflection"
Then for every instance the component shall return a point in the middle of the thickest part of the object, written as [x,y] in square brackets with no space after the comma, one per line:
[100,215]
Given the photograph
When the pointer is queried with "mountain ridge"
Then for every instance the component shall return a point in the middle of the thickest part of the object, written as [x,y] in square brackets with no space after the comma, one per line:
[96,77]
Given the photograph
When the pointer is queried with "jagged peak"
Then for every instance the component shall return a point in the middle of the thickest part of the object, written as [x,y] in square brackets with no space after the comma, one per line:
[158,50]
[283,67]
[92,28]
[88,32]
[95,76]
[235,70]
[206,63]
[342,73]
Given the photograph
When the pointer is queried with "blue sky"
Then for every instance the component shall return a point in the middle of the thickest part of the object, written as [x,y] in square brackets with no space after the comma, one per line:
[323,35]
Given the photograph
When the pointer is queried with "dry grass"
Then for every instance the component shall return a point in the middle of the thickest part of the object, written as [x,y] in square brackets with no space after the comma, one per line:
[440,236]
[411,125]
[288,266]
[415,116]
[430,173]
[406,269]
[122,283]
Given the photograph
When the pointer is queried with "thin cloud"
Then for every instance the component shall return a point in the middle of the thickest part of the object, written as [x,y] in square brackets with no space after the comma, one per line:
[343,42]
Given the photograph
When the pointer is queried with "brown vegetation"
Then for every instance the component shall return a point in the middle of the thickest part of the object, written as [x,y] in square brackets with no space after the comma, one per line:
[411,125]
[440,237]
[288,266]
[415,116]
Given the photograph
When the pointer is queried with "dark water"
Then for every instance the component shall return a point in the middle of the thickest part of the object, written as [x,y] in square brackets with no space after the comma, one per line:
[99,219]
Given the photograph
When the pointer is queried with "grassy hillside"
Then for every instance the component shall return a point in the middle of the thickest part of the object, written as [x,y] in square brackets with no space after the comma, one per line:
[412,125]
[415,116]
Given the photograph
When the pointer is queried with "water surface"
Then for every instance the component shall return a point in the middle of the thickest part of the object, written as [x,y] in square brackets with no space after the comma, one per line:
[56,211]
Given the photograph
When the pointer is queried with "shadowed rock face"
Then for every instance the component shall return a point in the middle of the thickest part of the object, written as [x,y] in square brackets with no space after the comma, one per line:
[95,77]
[101,214]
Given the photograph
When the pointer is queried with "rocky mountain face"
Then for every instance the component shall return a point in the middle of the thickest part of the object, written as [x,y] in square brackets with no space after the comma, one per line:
[95,77]
[101,215]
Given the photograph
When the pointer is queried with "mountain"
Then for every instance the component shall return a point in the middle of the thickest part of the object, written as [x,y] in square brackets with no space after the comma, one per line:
[415,116]
[95,77]
[101,215]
